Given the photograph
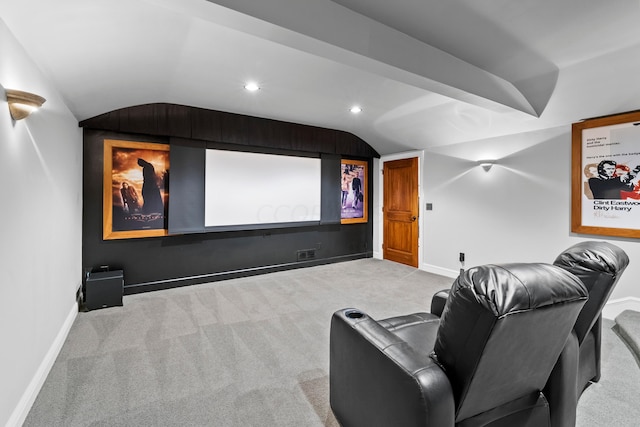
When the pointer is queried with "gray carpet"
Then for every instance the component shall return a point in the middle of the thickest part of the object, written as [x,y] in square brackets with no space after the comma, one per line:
[614,400]
[252,352]
[628,328]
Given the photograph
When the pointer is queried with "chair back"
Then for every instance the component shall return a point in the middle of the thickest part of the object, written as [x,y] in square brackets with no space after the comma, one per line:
[598,265]
[502,330]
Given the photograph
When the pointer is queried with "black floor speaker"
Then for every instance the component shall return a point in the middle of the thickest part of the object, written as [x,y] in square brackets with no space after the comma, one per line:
[103,289]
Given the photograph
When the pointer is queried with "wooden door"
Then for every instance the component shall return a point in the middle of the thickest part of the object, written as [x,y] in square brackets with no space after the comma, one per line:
[400,211]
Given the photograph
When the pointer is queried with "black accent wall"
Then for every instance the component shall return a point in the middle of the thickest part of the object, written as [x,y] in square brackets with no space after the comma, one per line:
[184,259]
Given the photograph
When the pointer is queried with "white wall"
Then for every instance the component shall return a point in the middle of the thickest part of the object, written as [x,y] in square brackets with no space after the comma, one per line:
[40,229]
[519,210]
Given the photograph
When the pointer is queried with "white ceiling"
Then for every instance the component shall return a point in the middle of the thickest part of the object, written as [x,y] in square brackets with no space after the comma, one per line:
[429,74]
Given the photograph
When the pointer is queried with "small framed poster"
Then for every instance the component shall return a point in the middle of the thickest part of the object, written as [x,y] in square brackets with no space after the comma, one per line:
[354,189]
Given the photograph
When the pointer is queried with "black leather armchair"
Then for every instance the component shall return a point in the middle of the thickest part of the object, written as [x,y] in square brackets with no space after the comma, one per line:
[483,363]
[598,265]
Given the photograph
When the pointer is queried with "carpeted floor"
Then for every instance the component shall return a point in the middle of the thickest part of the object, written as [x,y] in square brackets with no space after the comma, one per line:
[628,328]
[252,352]
[614,400]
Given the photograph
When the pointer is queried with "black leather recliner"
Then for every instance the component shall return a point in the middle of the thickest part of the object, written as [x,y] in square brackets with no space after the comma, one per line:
[483,363]
[598,265]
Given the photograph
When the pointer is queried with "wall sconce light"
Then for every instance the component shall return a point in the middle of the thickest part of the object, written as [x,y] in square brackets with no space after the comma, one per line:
[21,104]
[486,164]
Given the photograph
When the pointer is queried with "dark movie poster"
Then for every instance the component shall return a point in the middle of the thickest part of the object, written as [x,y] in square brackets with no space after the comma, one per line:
[136,189]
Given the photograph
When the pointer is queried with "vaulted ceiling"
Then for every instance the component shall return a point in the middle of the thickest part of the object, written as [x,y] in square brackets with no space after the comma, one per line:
[428,74]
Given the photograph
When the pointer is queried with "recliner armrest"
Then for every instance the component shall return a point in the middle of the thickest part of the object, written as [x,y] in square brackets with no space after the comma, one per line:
[438,301]
[377,379]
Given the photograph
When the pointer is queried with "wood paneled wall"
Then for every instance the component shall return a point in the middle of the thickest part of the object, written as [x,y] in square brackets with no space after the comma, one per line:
[170,120]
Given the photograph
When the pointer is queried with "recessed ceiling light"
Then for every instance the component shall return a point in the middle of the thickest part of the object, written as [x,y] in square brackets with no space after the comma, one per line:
[252,86]
[355,109]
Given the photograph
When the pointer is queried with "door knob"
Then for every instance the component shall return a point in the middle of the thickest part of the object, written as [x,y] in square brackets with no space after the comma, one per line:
[413,218]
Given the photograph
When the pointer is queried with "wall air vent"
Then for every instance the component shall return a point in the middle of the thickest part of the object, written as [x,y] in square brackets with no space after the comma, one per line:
[306,254]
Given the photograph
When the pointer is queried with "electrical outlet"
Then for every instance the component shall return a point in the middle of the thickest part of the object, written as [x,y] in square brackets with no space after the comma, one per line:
[461,256]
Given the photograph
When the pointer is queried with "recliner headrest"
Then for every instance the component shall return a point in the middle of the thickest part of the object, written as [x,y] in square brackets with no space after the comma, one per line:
[516,287]
[594,255]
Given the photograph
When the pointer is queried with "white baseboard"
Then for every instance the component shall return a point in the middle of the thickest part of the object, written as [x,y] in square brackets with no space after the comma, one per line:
[617,306]
[428,268]
[29,396]
[439,270]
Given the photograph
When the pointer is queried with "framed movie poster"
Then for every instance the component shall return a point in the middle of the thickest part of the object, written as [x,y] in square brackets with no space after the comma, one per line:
[135,189]
[605,194]
[354,191]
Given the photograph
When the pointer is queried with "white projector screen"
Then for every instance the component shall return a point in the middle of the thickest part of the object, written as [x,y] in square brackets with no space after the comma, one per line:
[253,188]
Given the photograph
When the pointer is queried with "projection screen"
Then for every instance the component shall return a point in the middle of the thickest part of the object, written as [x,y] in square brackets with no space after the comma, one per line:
[244,188]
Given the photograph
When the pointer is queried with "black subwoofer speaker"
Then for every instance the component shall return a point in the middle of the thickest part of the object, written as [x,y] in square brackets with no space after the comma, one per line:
[103,289]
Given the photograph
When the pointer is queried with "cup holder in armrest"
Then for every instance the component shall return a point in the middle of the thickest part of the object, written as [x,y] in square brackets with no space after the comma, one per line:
[354,314]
